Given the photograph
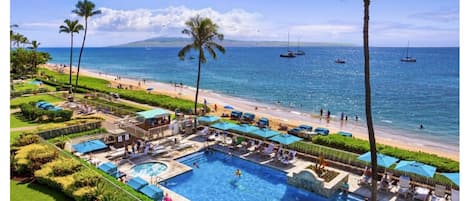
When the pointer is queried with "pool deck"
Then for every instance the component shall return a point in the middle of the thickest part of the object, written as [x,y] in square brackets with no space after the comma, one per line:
[198,143]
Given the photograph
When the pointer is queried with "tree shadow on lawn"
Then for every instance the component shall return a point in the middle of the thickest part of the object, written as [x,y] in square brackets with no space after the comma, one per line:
[54,193]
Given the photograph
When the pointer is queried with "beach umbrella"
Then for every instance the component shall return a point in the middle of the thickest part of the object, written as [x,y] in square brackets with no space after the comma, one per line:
[285,139]
[265,133]
[229,107]
[416,168]
[383,160]
[223,125]
[244,128]
[454,177]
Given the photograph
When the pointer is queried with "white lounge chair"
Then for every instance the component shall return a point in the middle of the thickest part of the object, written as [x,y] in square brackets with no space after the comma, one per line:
[183,146]
[421,193]
[403,186]
[439,194]
[268,150]
[118,153]
[454,195]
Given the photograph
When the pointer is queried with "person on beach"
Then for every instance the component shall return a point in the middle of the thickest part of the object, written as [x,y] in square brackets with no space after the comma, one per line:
[421,126]
[346,117]
[255,108]
[320,112]
[328,114]
[167,198]
[143,81]
[342,116]
[215,107]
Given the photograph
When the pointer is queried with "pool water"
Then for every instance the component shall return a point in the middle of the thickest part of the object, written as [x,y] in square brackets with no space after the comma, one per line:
[215,179]
[148,169]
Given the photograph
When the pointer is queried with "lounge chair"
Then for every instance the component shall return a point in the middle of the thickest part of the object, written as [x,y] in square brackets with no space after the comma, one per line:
[267,151]
[118,153]
[403,186]
[421,193]
[454,195]
[182,146]
[439,193]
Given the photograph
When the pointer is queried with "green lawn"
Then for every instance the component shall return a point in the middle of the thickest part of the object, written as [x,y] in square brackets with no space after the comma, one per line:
[16,102]
[16,121]
[35,191]
[27,86]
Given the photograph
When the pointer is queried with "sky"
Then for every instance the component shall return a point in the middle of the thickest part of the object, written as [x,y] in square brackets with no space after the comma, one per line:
[392,22]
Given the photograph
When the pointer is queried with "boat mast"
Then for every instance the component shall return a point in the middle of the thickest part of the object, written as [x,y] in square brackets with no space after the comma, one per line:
[288,48]
[407,52]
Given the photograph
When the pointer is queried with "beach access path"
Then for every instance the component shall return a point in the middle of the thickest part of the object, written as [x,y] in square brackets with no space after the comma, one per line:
[278,114]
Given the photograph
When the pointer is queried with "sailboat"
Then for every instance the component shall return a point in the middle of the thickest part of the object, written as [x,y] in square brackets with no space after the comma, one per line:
[298,51]
[289,53]
[407,58]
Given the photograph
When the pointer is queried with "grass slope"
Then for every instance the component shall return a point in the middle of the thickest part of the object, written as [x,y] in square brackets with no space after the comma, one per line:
[35,191]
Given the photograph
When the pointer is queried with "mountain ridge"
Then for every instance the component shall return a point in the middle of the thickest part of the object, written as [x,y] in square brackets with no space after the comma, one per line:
[180,42]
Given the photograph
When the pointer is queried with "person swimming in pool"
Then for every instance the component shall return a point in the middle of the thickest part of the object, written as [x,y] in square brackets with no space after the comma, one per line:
[196,165]
[238,173]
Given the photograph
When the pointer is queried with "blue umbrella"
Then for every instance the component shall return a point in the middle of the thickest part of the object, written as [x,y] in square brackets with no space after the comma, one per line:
[244,128]
[229,107]
[285,139]
[265,133]
[454,177]
[416,167]
[223,125]
[383,160]
[209,118]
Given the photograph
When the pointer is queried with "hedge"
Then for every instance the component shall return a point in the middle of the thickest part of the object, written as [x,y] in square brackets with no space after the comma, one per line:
[69,130]
[361,146]
[32,113]
[100,85]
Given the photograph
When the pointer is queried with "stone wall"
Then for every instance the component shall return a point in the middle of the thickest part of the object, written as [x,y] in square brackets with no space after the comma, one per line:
[307,179]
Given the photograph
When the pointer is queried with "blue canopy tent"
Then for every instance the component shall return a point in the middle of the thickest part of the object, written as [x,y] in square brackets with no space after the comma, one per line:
[223,126]
[208,119]
[345,134]
[137,183]
[264,133]
[321,131]
[89,146]
[285,139]
[108,167]
[229,107]
[40,103]
[236,114]
[153,192]
[244,128]
[306,127]
[263,122]
[383,160]
[416,168]
[454,177]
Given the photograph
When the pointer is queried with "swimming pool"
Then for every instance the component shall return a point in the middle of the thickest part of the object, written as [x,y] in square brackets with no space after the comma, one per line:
[215,180]
[148,169]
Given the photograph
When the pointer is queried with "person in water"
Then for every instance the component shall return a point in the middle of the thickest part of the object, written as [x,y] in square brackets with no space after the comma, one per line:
[195,165]
[421,126]
[238,173]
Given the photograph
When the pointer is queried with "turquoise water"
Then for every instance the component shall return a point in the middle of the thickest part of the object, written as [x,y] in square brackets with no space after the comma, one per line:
[405,95]
[148,169]
[214,179]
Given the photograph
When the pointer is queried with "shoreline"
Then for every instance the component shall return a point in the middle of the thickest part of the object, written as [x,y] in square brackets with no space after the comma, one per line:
[279,114]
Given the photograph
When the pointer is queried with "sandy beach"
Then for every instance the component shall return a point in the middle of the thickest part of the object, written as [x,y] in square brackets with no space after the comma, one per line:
[278,114]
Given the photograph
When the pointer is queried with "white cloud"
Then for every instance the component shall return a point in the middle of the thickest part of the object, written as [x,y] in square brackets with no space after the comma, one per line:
[170,21]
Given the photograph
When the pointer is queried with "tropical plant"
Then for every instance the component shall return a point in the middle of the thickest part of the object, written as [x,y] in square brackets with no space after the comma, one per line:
[34,46]
[203,33]
[84,9]
[71,27]
[369,119]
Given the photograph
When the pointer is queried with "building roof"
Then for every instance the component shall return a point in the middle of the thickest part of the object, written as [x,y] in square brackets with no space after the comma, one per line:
[155,113]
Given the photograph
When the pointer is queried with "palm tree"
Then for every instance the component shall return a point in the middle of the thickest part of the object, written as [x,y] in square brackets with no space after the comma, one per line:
[71,27]
[34,45]
[369,119]
[203,32]
[84,9]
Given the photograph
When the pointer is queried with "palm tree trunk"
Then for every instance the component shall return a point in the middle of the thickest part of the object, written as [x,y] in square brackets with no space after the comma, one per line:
[81,52]
[369,119]
[70,77]
[197,89]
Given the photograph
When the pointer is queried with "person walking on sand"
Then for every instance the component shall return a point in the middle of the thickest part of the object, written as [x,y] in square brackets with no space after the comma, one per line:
[356,117]
[328,114]
[342,116]
[215,107]
[320,112]
[143,81]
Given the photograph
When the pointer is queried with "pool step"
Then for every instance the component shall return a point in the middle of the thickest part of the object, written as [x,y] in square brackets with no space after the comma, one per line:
[199,158]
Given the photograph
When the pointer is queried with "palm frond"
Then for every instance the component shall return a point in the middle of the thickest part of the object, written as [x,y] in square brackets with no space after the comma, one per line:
[184,50]
[211,51]
[216,45]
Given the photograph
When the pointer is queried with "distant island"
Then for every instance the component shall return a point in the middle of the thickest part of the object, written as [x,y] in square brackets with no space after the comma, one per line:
[179,42]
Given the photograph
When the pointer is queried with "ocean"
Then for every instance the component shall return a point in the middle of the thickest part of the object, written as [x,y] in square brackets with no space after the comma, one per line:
[404,95]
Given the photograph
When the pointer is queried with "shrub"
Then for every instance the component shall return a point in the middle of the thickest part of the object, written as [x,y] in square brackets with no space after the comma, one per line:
[86,193]
[26,139]
[31,157]
[85,177]
[32,113]
[64,167]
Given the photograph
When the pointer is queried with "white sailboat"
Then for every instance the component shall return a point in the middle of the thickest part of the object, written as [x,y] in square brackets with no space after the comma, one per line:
[407,58]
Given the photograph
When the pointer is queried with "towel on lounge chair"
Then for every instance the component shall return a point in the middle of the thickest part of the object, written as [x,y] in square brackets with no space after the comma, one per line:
[439,193]
[421,193]
[269,149]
